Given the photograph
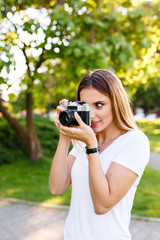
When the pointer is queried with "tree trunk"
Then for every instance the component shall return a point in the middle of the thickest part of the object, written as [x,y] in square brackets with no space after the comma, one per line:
[34,146]
[59,2]
[20,129]
[28,134]
[99,4]
[35,151]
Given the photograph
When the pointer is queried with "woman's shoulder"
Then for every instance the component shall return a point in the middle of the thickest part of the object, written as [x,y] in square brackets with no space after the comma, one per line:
[136,137]
[133,151]
[135,133]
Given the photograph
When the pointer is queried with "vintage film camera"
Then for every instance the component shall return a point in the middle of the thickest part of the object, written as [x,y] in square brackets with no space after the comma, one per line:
[67,118]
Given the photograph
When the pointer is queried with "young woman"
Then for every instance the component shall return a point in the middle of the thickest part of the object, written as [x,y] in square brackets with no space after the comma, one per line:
[104,180]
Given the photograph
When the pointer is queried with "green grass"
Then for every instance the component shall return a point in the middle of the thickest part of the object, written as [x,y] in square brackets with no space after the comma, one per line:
[147,199]
[28,180]
[152,130]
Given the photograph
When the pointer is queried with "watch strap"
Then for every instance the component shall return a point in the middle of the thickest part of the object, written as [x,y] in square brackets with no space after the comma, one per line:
[92,150]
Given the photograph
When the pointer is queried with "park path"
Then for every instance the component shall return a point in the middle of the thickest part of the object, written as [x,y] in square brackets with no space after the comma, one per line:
[154,160]
[20,220]
[30,221]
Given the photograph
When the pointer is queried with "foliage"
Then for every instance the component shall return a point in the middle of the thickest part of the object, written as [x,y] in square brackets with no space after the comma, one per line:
[142,81]
[58,41]
[50,45]
[11,146]
[47,133]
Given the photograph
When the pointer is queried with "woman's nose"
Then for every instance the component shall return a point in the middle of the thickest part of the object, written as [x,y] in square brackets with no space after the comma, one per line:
[92,113]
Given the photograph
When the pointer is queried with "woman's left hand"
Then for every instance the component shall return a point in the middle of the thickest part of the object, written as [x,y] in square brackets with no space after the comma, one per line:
[82,133]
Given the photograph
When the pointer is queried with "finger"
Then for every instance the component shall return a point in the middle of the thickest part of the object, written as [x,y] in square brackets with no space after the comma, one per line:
[63,133]
[69,131]
[78,119]
[60,109]
[57,123]
[62,101]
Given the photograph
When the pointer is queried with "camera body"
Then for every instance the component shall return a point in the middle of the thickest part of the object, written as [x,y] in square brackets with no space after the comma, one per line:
[67,118]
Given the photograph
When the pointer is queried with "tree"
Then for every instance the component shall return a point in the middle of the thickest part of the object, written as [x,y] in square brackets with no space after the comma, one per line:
[10,39]
[142,81]
[58,41]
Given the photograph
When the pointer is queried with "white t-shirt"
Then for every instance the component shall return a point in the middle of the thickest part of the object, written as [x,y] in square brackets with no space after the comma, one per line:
[130,150]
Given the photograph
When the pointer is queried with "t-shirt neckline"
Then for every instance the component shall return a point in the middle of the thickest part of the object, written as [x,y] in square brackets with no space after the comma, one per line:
[116,140]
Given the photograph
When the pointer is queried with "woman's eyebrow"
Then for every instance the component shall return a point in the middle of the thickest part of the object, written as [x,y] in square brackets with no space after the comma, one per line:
[100,101]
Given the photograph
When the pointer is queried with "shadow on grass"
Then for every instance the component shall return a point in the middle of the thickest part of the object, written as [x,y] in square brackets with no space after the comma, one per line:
[29,181]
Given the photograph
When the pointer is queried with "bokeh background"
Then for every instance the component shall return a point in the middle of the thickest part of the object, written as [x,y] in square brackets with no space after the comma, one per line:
[45,49]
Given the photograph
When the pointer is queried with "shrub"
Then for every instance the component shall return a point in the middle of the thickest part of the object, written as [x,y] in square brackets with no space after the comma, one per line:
[47,133]
[12,147]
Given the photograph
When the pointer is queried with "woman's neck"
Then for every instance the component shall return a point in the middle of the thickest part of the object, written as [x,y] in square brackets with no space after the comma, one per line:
[110,134]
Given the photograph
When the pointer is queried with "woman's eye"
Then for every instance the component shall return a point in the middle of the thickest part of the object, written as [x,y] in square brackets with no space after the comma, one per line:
[99,105]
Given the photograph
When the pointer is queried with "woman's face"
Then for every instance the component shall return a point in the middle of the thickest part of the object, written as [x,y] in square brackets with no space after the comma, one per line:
[101,109]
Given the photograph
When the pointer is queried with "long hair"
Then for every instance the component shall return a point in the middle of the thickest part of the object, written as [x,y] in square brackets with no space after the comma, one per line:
[109,84]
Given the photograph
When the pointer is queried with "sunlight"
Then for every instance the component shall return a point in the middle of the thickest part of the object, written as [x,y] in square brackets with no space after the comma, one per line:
[57,200]
[156,131]
[10,192]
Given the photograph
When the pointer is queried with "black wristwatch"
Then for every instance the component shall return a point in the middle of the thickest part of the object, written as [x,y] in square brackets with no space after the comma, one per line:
[92,150]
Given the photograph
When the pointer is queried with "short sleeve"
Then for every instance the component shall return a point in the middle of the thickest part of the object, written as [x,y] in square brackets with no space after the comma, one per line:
[77,148]
[73,152]
[133,152]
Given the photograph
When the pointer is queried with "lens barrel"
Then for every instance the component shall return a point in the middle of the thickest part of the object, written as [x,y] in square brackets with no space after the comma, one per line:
[66,117]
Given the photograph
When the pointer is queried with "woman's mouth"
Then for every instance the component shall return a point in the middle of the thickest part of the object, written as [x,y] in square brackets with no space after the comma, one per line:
[94,123]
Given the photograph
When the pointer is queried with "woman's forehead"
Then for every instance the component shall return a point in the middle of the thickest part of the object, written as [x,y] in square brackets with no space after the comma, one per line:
[93,95]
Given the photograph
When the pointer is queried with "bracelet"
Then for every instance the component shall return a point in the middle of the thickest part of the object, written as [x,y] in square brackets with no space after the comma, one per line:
[92,150]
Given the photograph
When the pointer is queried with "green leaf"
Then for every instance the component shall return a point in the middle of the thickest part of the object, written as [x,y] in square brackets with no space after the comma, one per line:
[1,80]
[77,52]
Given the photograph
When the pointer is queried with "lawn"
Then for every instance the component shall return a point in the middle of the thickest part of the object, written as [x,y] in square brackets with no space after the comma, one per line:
[152,130]
[147,199]
[29,181]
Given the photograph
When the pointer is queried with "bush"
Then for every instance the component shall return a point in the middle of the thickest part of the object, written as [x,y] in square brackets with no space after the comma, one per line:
[47,133]
[12,147]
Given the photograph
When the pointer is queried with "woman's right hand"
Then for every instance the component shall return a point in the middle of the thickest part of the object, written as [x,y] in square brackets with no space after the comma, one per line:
[59,110]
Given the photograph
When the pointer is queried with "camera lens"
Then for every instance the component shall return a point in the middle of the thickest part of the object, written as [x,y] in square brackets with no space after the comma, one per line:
[66,117]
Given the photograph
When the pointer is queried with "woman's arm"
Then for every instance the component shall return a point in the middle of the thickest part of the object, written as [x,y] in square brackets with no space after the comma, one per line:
[59,179]
[107,191]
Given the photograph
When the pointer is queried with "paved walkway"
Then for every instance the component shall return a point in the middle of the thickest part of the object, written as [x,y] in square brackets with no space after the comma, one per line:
[154,160]
[20,220]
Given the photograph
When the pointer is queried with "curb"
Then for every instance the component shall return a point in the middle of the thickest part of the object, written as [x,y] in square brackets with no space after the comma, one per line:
[66,208]
[145,219]
[36,204]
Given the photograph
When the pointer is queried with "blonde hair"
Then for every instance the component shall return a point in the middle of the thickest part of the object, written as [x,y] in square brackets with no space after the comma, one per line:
[109,84]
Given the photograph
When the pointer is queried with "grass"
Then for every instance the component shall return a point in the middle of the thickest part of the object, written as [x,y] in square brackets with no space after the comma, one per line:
[147,197]
[29,180]
[152,130]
